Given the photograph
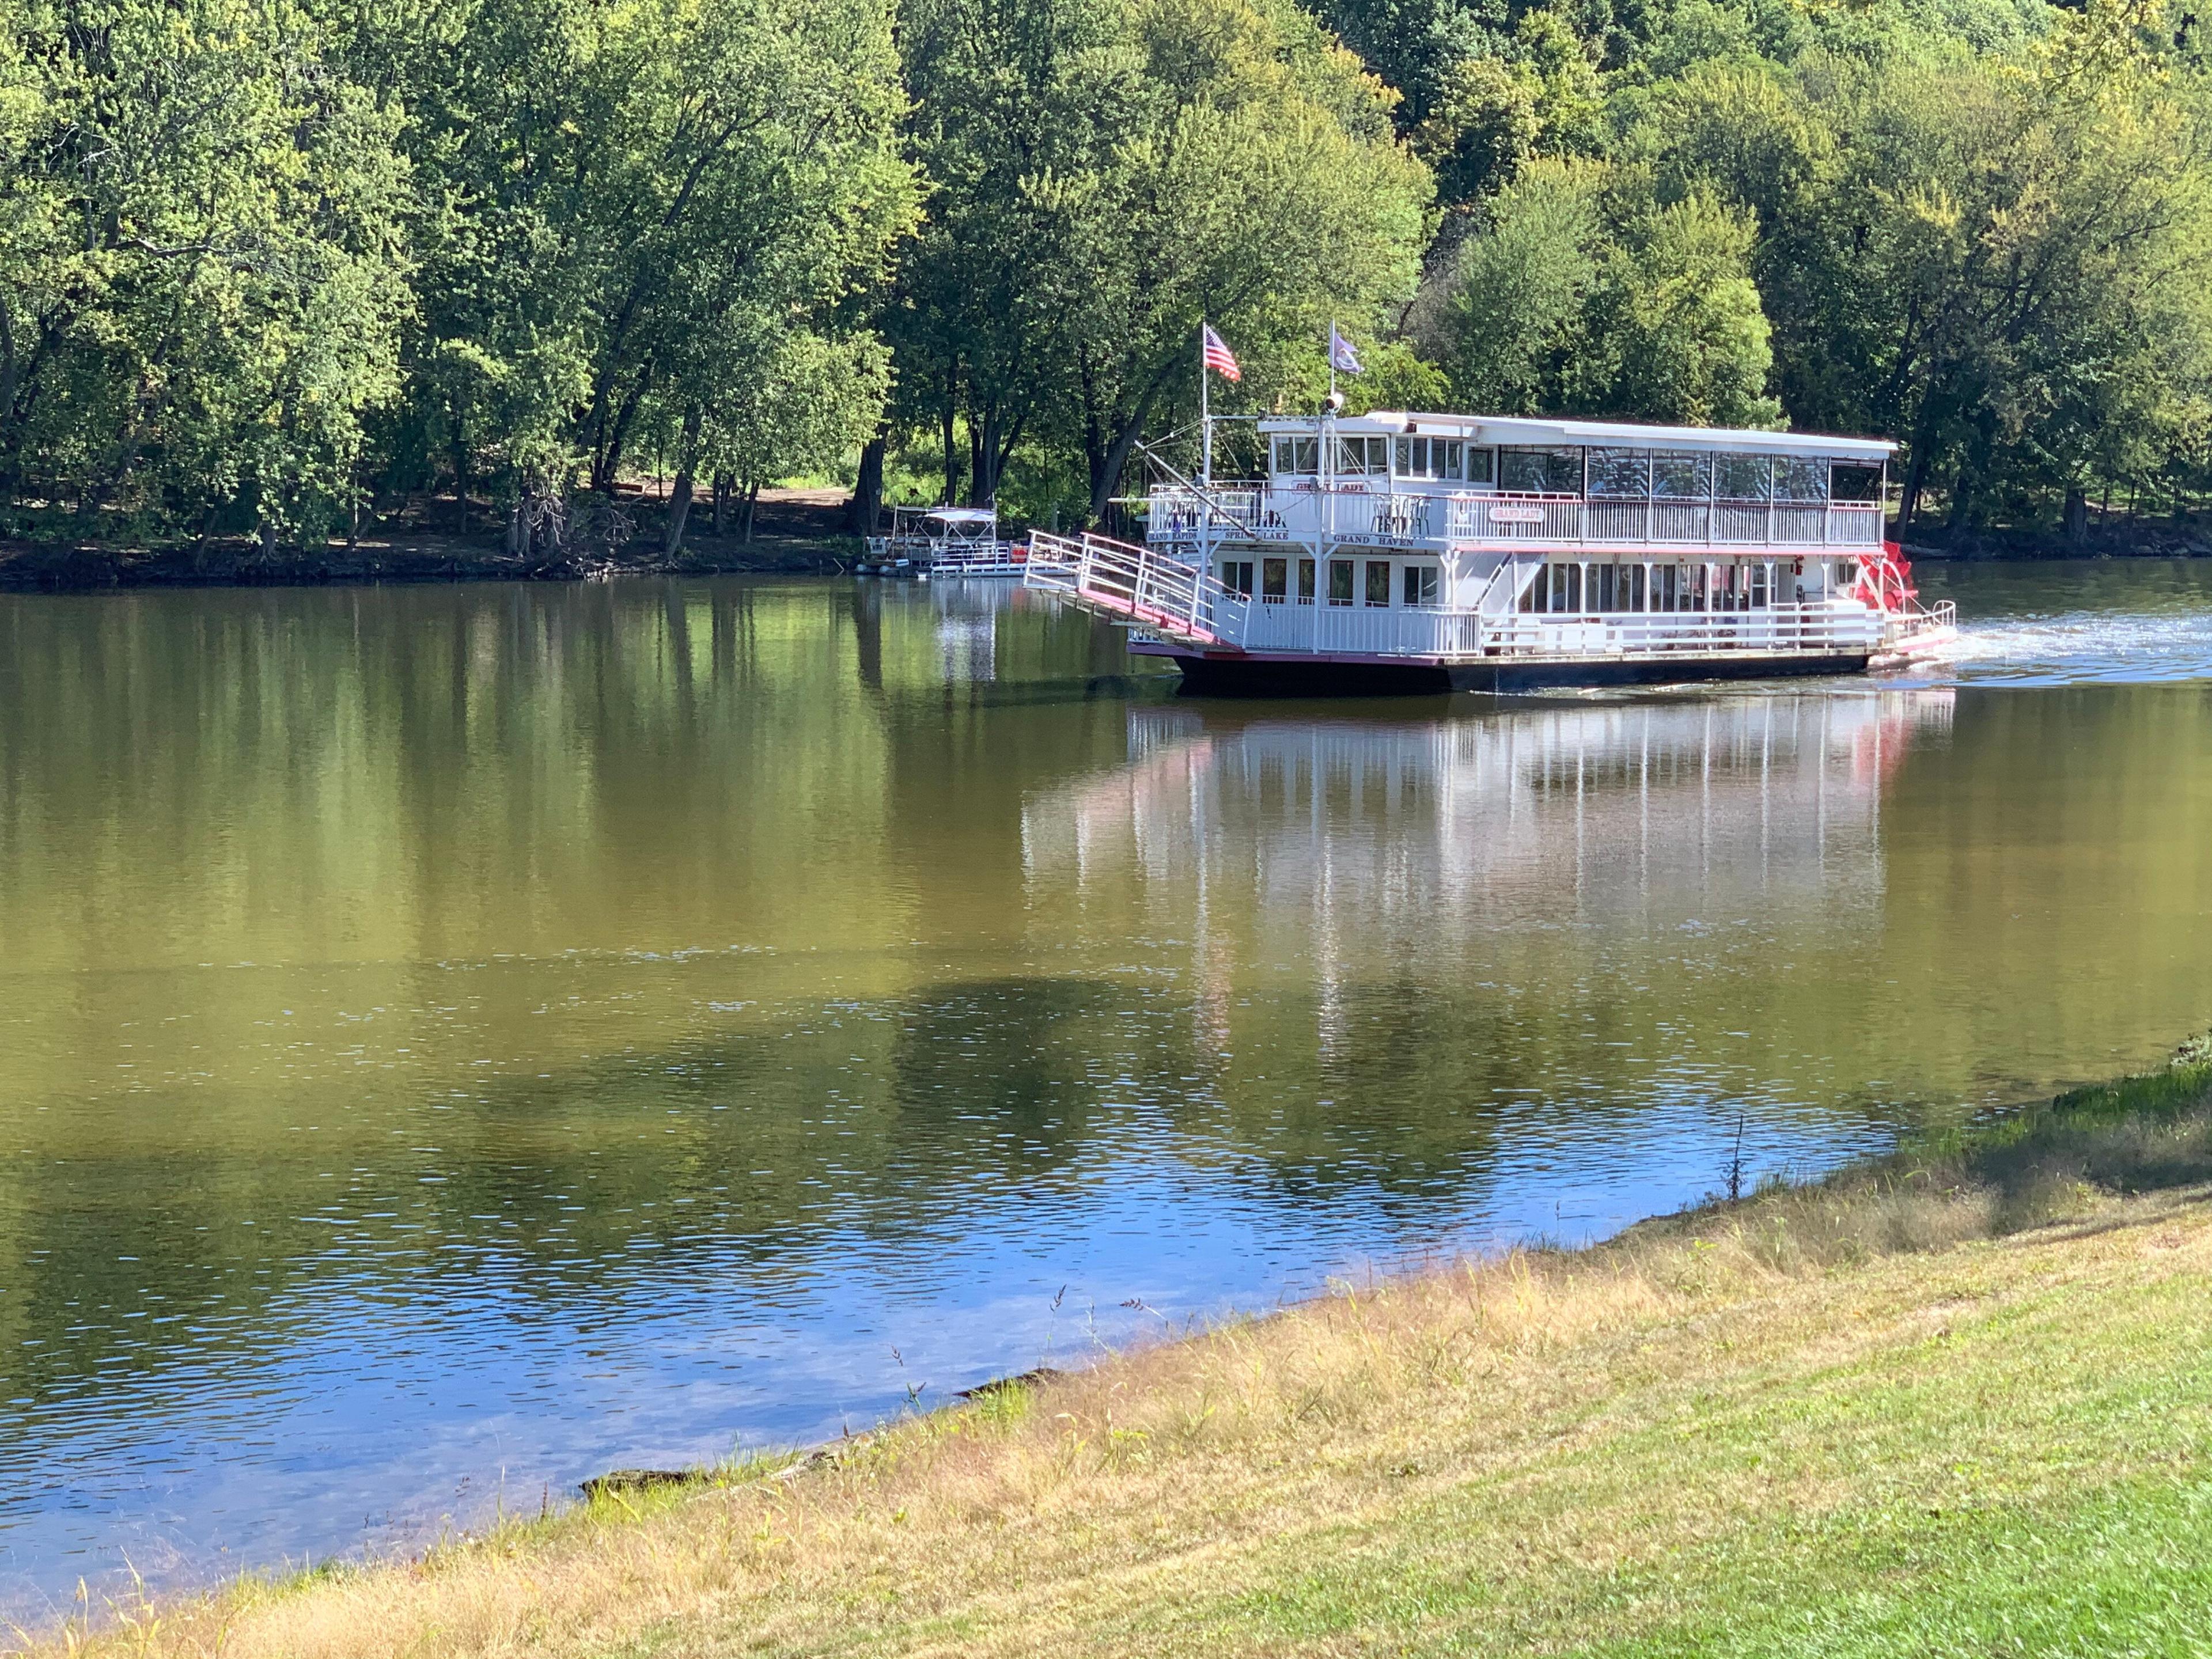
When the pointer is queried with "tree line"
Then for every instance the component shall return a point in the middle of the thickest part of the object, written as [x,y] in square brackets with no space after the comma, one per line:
[272,268]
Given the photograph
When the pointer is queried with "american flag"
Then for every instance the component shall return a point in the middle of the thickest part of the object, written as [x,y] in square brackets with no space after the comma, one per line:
[1219,357]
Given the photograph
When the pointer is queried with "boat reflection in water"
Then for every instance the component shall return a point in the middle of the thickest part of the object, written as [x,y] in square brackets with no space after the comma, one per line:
[1610,906]
[1429,821]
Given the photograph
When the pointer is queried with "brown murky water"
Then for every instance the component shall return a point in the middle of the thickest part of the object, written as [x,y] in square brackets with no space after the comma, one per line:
[455,1040]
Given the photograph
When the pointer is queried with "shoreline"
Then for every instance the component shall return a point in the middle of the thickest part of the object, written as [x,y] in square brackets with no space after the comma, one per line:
[801,544]
[2015,1243]
[30,570]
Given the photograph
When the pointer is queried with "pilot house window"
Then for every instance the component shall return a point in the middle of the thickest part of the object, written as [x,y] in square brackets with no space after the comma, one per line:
[1436,457]
[1355,456]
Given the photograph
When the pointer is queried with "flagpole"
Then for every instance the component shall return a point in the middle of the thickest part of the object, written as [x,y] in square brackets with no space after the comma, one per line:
[1204,421]
[1205,458]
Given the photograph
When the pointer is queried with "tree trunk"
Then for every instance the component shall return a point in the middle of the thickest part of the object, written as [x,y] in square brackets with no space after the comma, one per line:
[7,366]
[951,456]
[679,511]
[868,489]
[679,503]
[745,513]
[2076,519]
[1915,480]
[984,491]
[1962,501]
[1106,470]
[460,475]
[721,505]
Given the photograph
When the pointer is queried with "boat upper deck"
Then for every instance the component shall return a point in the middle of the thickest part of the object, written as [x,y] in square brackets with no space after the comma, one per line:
[1458,483]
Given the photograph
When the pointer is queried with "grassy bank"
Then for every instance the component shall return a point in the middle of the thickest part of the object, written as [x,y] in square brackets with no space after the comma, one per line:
[1957,1401]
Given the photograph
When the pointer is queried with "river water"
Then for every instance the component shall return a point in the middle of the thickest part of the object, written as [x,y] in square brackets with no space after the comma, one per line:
[455,1041]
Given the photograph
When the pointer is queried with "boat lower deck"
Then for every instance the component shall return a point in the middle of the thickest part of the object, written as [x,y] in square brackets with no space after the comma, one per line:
[1245,674]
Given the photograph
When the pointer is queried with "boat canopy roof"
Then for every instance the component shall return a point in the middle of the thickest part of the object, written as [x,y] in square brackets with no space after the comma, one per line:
[957,515]
[1538,433]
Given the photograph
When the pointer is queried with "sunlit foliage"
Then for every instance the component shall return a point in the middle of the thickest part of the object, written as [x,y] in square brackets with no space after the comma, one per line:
[268,265]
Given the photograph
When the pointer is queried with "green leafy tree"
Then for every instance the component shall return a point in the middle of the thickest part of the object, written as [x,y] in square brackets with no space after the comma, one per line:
[204,280]
[638,205]
[1107,179]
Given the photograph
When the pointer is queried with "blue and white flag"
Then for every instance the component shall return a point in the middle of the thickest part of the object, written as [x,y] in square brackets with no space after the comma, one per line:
[1340,354]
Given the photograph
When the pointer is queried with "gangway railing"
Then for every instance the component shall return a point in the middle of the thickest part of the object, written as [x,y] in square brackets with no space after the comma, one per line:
[1128,583]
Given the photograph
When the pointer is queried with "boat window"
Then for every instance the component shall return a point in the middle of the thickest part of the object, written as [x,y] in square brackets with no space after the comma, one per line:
[1378,584]
[1275,580]
[1848,482]
[1622,475]
[1340,581]
[1682,475]
[1236,576]
[1743,477]
[1360,456]
[1297,455]
[1305,581]
[1481,464]
[1761,587]
[1799,480]
[1847,574]
[1432,458]
[1420,584]
[1566,587]
[1541,471]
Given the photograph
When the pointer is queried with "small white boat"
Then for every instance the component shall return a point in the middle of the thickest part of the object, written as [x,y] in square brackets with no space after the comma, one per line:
[1408,552]
[947,541]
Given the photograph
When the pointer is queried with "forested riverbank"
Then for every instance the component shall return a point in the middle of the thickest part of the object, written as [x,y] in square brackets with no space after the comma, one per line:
[284,277]
[1946,1399]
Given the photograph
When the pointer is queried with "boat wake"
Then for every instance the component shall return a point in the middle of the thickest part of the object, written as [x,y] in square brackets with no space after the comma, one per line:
[2073,647]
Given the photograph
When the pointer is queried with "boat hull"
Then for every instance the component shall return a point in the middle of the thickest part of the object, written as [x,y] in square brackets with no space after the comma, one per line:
[1240,674]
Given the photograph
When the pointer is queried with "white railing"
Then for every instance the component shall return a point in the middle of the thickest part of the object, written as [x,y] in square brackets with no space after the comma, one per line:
[1384,631]
[1356,514]
[1177,514]
[1130,584]
[1937,618]
[1511,518]
[977,558]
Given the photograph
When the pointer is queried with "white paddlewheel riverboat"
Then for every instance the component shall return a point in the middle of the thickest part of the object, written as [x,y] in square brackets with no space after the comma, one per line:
[1407,552]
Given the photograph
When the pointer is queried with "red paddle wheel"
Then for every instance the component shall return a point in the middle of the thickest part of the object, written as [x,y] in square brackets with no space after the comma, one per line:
[1885,582]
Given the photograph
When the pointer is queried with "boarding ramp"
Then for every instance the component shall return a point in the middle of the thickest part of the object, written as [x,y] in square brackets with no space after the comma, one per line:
[1139,586]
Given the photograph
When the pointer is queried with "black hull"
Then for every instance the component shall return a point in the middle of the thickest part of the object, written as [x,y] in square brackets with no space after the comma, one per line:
[1261,676]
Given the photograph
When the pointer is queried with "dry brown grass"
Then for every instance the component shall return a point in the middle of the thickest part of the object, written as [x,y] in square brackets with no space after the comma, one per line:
[1479,1458]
